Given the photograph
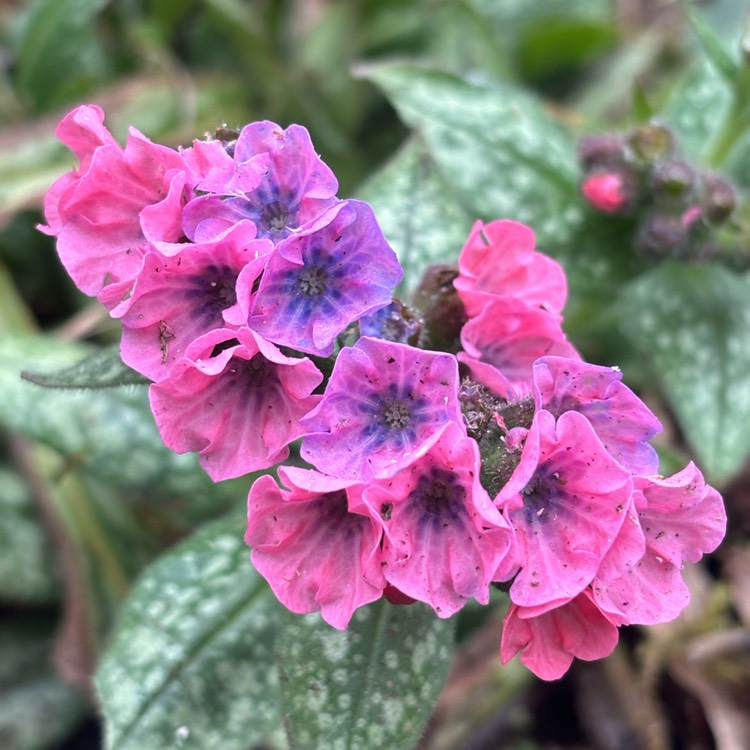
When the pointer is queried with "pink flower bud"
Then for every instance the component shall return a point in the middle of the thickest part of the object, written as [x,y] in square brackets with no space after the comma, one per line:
[606,191]
[690,216]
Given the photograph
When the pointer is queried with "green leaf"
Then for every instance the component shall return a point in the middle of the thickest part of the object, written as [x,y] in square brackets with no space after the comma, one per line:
[58,53]
[712,46]
[372,685]
[493,145]
[417,211]
[27,565]
[692,325]
[102,369]
[109,433]
[192,662]
[696,109]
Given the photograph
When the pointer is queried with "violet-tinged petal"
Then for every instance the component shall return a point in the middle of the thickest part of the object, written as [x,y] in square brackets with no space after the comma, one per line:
[239,408]
[499,260]
[621,420]
[549,642]
[444,539]
[384,406]
[568,514]
[277,181]
[341,272]
[315,553]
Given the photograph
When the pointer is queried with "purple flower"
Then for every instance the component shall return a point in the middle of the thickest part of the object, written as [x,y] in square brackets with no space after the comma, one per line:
[274,179]
[566,501]
[314,548]
[237,400]
[316,284]
[444,539]
[384,406]
[622,421]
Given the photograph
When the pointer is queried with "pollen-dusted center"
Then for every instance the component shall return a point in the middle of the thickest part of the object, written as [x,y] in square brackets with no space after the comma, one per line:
[396,415]
[312,281]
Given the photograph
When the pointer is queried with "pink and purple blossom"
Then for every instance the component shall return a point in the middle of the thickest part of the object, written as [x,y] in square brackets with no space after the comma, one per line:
[384,406]
[444,539]
[312,545]
[622,421]
[178,298]
[273,178]
[317,283]
[236,400]
[565,501]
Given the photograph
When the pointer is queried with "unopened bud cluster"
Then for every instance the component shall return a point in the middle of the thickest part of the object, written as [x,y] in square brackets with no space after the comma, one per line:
[678,206]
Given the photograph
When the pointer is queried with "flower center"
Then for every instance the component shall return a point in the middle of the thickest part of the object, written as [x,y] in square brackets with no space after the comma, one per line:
[312,281]
[274,218]
[541,498]
[440,498]
[212,293]
[395,415]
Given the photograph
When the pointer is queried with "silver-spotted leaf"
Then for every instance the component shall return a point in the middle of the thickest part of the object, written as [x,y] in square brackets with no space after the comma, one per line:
[692,325]
[372,685]
[494,146]
[191,665]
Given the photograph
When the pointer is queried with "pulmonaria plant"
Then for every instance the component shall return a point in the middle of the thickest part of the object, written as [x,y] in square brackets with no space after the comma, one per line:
[455,442]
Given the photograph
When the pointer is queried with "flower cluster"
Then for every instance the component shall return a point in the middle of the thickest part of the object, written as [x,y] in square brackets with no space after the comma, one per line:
[453,444]
[680,207]
[226,263]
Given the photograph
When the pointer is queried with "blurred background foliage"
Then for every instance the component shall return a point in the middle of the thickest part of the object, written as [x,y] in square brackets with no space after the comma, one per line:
[439,112]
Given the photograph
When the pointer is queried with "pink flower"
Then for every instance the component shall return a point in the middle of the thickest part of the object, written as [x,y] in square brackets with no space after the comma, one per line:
[315,549]
[98,212]
[444,539]
[499,260]
[680,519]
[549,638]
[621,420]
[384,406]
[237,400]
[565,501]
[177,299]
[502,343]
[606,192]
